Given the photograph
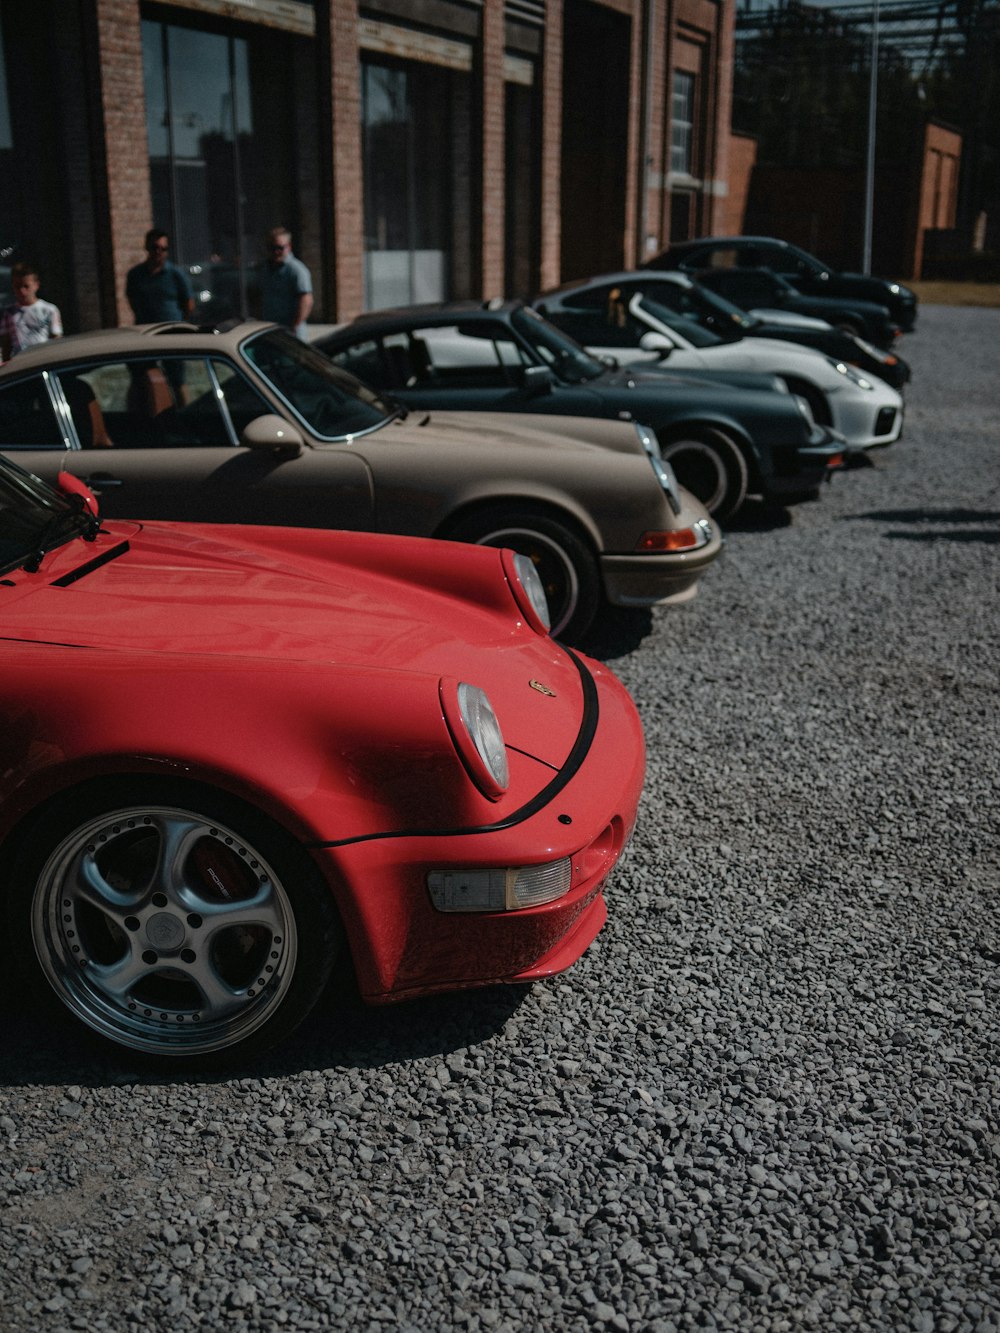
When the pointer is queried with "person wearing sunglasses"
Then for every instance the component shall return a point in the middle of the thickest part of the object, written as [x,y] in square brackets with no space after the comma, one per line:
[158,290]
[285,284]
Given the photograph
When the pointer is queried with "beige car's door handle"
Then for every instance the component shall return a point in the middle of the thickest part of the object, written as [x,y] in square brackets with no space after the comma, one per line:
[100,481]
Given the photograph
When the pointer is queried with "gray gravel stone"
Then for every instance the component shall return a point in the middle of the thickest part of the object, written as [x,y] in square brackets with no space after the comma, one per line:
[766,1099]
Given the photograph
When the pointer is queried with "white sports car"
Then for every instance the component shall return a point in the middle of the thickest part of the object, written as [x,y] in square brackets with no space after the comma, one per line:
[638,329]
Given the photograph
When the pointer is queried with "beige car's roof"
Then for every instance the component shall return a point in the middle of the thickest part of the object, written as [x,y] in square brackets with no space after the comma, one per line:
[132,339]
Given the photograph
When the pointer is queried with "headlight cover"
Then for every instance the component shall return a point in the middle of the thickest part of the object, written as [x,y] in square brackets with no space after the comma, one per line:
[843,369]
[803,405]
[664,472]
[529,592]
[476,732]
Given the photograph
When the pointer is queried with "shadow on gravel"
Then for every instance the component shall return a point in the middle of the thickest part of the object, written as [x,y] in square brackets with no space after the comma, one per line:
[759,516]
[617,631]
[344,1032]
[989,536]
[341,1032]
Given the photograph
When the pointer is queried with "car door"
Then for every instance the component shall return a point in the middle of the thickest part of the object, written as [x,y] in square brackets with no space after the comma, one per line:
[156,438]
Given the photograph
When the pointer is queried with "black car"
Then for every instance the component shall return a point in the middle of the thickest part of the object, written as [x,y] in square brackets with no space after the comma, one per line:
[804,271]
[572,306]
[723,442]
[759,289]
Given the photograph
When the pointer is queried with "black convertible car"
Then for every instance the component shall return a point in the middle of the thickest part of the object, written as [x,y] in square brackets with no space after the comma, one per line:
[724,442]
[804,271]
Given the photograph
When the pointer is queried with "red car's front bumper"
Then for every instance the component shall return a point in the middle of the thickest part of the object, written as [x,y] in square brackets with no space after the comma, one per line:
[404,946]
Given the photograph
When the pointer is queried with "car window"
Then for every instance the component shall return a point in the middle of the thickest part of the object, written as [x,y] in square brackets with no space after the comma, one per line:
[727,257]
[244,402]
[746,287]
[32,514]
[145,403]
[590,298]
[788,261]
[479,353]
[364,359]
[331,402]
[611,324]
[567,359]
[701,305]
[27,418]
[688,328]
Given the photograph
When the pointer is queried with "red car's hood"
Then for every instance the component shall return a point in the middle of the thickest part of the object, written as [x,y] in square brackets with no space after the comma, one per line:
[299,595]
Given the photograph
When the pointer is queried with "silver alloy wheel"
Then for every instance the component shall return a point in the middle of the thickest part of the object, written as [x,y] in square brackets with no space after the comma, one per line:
[555,568]
[164,931]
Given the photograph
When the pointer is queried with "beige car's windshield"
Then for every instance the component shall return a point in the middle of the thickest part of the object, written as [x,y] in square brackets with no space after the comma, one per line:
[330,401]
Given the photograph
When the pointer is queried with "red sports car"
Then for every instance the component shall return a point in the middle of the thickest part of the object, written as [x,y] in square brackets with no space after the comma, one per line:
[230,756]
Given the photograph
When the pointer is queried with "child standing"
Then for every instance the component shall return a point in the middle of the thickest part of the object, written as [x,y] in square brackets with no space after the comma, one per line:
[29,320]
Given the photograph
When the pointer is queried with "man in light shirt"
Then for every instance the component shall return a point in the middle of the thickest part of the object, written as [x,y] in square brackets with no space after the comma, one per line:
[285,285]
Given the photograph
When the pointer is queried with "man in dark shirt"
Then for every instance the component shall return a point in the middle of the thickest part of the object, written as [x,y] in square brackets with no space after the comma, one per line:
[157,289]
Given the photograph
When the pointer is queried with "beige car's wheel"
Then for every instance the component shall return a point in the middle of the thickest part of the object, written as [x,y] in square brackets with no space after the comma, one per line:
[565,563]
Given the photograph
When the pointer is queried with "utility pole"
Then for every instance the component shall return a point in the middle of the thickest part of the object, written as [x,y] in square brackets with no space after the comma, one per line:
[866,261]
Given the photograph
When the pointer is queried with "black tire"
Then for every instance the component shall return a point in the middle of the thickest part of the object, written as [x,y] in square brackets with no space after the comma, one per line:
[712,467]
[566,564]
[172,922]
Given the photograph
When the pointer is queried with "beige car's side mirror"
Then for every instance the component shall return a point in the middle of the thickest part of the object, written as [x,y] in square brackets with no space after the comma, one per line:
[274,433]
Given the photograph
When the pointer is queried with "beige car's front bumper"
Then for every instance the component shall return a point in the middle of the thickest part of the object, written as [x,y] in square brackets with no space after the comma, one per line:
[646,579]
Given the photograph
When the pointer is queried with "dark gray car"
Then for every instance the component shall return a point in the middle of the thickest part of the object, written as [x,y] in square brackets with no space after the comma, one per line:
[722,441]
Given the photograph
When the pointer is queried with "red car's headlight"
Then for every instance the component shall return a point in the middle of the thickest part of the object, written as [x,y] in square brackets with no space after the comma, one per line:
[476,732]
[526,585]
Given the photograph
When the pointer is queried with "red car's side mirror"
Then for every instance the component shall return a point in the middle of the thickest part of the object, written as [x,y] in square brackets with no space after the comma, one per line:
[71,485]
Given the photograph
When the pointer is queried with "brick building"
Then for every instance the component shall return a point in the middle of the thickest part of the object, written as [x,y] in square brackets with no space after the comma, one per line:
[417,149]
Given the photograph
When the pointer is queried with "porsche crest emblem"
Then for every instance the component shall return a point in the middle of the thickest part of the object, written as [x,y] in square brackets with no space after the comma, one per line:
[542,689]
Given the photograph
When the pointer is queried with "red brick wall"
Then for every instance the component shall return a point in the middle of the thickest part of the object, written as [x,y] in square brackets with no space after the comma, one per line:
[938,202]
[551,241]
[492,231]
[742,159]
[346,263]
[122,117]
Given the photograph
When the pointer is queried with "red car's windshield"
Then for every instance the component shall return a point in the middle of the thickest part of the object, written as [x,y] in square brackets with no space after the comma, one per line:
[34,518]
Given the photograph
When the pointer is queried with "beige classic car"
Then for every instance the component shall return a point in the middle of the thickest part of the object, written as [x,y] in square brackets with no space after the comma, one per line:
[249,425]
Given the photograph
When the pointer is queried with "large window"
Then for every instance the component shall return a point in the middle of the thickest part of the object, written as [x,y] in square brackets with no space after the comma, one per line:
[418,181]
[682,124]
[221,144]
[10,215]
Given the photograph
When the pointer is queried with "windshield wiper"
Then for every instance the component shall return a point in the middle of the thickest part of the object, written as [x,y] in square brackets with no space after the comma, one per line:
[76,521]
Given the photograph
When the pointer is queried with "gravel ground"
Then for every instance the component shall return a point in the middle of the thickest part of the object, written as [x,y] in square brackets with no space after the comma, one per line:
[767,1097]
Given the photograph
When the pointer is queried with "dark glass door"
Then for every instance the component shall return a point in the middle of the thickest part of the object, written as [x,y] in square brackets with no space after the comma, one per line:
[221,153]
[417,182]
